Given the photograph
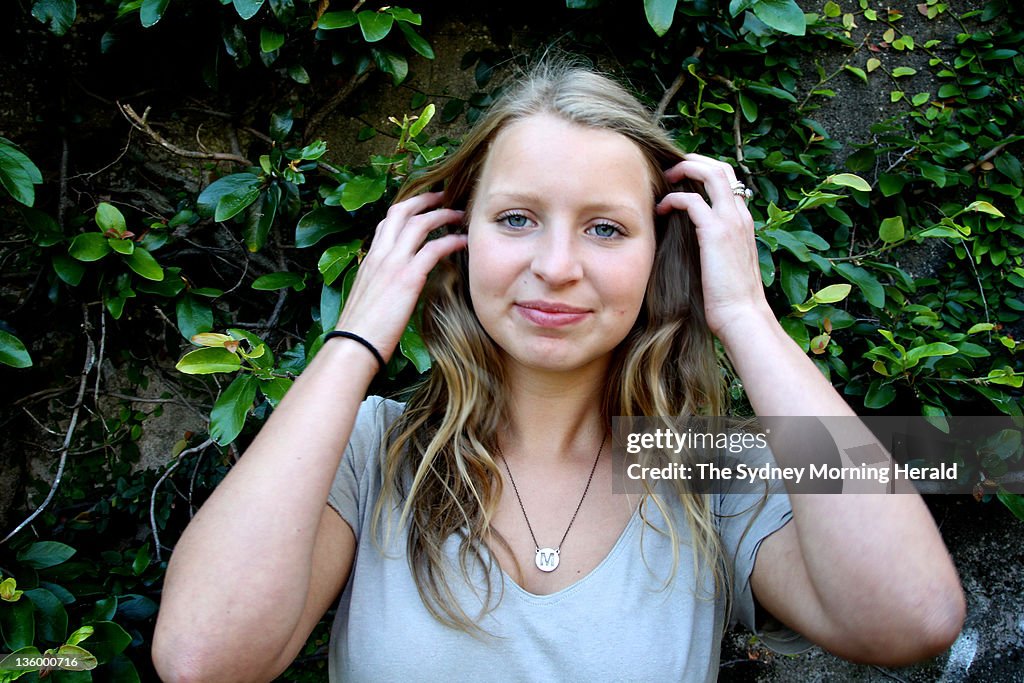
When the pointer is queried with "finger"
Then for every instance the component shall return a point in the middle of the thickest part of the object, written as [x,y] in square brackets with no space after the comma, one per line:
[398,214]
[416,229]
[435,250]
[716,177]
[692,203]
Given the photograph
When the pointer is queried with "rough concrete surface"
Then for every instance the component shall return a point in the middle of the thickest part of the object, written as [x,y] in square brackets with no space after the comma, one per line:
[987,545]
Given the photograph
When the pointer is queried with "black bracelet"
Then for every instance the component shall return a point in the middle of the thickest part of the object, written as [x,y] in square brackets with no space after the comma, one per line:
[355,337]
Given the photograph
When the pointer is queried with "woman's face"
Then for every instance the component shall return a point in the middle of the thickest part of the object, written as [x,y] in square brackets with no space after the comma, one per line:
[561,242]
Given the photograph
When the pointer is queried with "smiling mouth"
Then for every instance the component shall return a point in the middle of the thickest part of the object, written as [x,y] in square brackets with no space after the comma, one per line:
[545,314]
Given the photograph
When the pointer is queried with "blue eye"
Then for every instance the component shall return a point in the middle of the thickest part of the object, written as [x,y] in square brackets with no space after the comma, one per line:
[515,220]
[606,230]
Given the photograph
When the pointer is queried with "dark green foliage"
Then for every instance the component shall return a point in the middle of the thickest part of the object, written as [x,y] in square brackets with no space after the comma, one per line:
[897,264]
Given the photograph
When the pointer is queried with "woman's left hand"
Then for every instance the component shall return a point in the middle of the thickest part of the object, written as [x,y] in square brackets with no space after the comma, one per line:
[731,275]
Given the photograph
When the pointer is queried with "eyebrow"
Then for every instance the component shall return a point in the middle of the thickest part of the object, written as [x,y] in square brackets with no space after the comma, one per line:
[531,198]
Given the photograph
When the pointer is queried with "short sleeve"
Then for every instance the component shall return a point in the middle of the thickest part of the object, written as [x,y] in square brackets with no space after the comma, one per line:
[357,481]
[745,519]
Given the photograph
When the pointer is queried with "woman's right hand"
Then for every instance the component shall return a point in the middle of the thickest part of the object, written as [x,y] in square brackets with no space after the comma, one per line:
[394,271]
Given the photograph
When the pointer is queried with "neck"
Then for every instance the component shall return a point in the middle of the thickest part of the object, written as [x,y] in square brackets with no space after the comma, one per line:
[555,416]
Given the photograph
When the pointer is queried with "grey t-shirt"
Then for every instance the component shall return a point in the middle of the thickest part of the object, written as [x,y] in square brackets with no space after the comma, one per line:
[618,623]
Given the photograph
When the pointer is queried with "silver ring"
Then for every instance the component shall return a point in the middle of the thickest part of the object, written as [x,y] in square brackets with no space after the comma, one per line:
[741,190]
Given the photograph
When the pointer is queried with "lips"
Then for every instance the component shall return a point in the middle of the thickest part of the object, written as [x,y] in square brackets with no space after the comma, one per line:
[551,314]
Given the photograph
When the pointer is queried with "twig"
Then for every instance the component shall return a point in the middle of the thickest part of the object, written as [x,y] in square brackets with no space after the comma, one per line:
[140,123]
[737,135]
[888,673]
[41,425]
[127,146]
[987,155]
[336,99]
[42,395]
[839,70]
[674,88]
[62,200]
[152,498]
[99,358]
[90,359]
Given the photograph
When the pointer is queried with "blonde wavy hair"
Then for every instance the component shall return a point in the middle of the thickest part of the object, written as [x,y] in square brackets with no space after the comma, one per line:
[439,467]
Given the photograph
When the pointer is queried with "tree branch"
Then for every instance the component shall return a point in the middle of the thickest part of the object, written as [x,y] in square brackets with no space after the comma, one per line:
[142,125]
[674,88]
[90,360]
[335,101]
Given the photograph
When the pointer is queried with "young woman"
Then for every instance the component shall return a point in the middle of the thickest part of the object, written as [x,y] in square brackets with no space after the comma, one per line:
[473,530]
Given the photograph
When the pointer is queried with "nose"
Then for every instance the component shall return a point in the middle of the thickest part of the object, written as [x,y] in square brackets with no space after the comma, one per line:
[556,259]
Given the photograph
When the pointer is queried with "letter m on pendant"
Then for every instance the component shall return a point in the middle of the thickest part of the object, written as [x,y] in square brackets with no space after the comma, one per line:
[547,559]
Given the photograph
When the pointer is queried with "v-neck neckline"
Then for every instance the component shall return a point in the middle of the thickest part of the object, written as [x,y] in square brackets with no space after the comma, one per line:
[627,533]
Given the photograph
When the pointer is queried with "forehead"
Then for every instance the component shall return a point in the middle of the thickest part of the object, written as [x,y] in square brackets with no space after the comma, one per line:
[547,154]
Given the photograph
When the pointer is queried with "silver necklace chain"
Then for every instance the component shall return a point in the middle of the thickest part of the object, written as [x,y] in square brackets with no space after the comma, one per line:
[547,559]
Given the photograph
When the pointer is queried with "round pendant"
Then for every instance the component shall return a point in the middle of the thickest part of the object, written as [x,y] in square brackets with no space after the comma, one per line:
[547,559]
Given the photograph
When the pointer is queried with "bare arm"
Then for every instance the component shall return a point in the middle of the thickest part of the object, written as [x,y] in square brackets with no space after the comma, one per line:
[264,557]
[866,576]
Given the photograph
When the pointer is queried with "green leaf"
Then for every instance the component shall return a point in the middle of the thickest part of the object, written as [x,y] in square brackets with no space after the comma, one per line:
[375,25]
[857,71]
[247,9]
[59,14]
[782,15]
[985,207]
[412,347]
[891,184]
[143,263]
[67,269]
[1014,502]
[103,610]
[422,120]
[891,229]
[18,174]
[152,11]
[207,361]
[107,640]
[44,554]
[849,180]
[361,191]
[193,316]
[793,278]
[275,389]
[124,247]
[260,219]
[981,327]
[831,294]
[332,20]
[797,331]
[391,63]
[89,246]
[929,350]
[879,395]
[13,352]
[231,408]
[335,259]
[120,669]
[274,281]
[416,41]
[298,73]
[317,224]
[227,196]
[869,286]
[772,91]
[401,14]
[17,624]
[903,71]
[659,15]
[51,617]
[330,307]
[270,40]
[749,108]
